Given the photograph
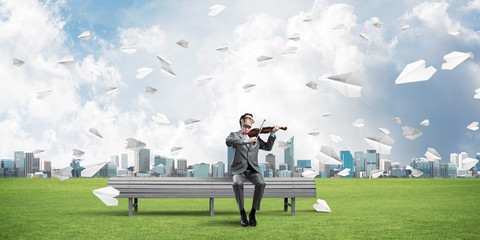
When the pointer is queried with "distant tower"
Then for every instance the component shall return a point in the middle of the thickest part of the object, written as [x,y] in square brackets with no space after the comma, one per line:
[19,158]
[348,162]
[124,161]
[359,163]
[142,160]
[218,169]
[270,159]
[371,161]
[182,167]
[289,154]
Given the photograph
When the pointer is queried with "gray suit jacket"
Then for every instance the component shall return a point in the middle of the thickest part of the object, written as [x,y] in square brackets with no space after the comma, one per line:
[244,154]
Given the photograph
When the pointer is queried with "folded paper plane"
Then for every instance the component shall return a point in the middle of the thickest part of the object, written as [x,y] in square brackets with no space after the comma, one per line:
[336,138]
[453,31]
[425,123]
[17,62]
[68,60]
[107,195]
[77,153]
[44,94]
[376,22]
[382,143]
[405,27]
[328,156]
[150,90]
[415,72]
[215,9]
[411,133]
[314,133]
[397,120]
[191,121]
[131,48]
[432,154]
[166,66]
[473,126]
[134,144]
[37,151]
[224,48]
[262,60]
[309,174]
[322,206]
[359,123]
[416,173]
[327,114]
[85,35]
[313,85]
[294,37]
[63,174]
[384,130]
[95,132]
[307,19]
[183,43]
[91,170]
[160,118]
[203,80]
[290,50]
[344,172]
[175,150]
[469,163]
[349,84]
[477,94]
[376,173]
[143,72]
[111,89]
[364,36]
[248,87]
[454,59]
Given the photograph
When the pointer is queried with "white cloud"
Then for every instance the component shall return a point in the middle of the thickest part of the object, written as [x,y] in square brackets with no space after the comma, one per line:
[473,5]
[151,40]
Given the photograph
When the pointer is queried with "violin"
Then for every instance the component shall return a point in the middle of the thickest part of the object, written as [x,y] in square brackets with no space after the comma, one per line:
[255,131]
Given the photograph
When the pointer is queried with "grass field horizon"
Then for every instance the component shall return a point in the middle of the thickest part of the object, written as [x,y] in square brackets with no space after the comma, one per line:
[361,208]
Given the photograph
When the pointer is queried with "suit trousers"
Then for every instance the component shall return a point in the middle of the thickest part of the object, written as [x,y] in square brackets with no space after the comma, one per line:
[256,179]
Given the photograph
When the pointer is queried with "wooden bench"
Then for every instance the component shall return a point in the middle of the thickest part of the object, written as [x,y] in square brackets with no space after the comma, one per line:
[134,188]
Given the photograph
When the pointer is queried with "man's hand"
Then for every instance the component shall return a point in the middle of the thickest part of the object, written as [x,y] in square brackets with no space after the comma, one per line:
[275,128]
[251,140]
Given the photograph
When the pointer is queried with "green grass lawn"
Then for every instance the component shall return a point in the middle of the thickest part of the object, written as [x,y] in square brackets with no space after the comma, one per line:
[361,208]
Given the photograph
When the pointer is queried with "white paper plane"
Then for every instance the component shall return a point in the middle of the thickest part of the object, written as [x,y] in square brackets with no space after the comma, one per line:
[314,133]
[453,31]
[262,60]
[215,9]
[454,59]
[405,27]
[349,84]
[397,120]
[425,123]
[203,80]
[63,174]
[411,133]
[344,172]
[175,150]
[381,143]
[160,118]
[131,48]
[376,173]
[328,156]
[364,36]
[469,163]
[224,48]
[359,123]
[44,94]
[143,72]
[284,145]
[290,50]
[415,72]
[313,85]
[294,37]
[477,94]
[322,206]
[248,87]
[17,62]
[91,170]
[327,114]
[309,174]
[95,132]
[384,131]
[85,35]
[432,154]
[77,153]
[111,89]
[107,195]
[339,26]
[308,19]
[150,90]
[134,144]
[67,60]
[191,121]
[416,173]
[473,126]
[166,66]
[336,138]
[183,43]
[37,151]
[376,22]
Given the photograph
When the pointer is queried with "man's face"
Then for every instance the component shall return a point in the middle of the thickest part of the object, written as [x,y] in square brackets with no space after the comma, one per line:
[248,121]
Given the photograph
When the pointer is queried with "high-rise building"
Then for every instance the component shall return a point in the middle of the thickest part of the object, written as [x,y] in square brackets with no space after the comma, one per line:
[230,153]
[182,167]
[124,161]
[169,164]
[359,163]
[371,161]
[142,160]
[454,158]
[270,159]
[29,163]
[283,166]
[324,170]
[304,164]
[159,170]
[218,169]
[201,170]
[385,165]
[45,166]
[348,162]
[430,169]
[289,154]
[115,159]
[461,157]
[19,158]
[448,170]
[7,163]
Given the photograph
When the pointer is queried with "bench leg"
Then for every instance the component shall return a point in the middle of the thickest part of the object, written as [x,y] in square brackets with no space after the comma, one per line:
[135,204]
[211,207]
[292,206]
[130,207]
[285,204]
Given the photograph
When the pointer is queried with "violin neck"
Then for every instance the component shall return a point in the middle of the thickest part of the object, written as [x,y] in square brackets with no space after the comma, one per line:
[283,128]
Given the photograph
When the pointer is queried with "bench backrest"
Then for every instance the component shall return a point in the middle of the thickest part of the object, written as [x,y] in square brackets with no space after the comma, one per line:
[179,187]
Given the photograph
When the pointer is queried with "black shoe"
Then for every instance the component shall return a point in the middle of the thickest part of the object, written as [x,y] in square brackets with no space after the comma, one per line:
[243,220]
[253,221]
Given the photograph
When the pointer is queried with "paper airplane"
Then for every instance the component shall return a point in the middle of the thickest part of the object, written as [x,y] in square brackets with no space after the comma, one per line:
[37,151]
[468,163]
[336,138]
[359,123]
[150,90]
[17,62]
[175,150]
[376,173]
[134,144]
[376,22]
[313,85]
[397,120]
[344,172]
[307,19]
[203,80]
[68,60]
[44,94]
[248,87]
[322,206]
[294,37]
[425,123]
[432,154]
[262,60]
[349,84]
[364,36]
[314,133]
[416,173]
[411,133]
[95,132]
[453,31]
[339,26]
[191,121]
[290,50]
[63,174]
[183,43]
[215,9]
[77,153]
[224,48]
[166,66]
[415,72]
[381,143]
[107,195]
[473,126]
[131,48]
[384,131]
[327,114]
[143,72]
[328,156]
[309,174]
[284,145]
[160,118]
[91,170]
[405,27]
[477,94]
[454,59]
[110,89]
[85,35]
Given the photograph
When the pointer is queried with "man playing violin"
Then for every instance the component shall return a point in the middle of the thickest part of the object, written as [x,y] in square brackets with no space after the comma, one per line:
[245,165]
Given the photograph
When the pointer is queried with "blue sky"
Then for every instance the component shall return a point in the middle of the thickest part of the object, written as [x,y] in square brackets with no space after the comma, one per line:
[41,33]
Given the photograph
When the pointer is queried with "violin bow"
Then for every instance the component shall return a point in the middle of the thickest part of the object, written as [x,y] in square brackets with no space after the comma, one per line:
[260,129]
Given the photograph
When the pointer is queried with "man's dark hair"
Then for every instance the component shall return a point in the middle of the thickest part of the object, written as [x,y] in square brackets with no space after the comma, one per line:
[243,117]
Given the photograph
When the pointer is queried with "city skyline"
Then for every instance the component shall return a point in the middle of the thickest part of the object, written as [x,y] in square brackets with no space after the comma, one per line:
[88,75]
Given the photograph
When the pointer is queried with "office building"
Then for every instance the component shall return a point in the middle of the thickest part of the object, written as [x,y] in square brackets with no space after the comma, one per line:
[348,162]
[448,170]
[262,169]
[285,174]
[372,159]
[182,167]
[115,159]
[218,169]
[283,166]
[124,161]
[304,164]
[201,170]
[142,160]
[270,160]
[289,154]
[159,170]
[385,165]
[7,164]
[19,158]
[324,170]
[359,163]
